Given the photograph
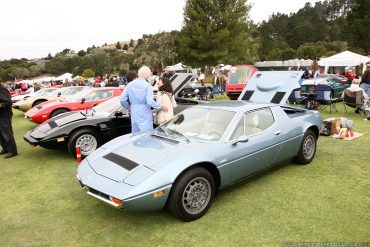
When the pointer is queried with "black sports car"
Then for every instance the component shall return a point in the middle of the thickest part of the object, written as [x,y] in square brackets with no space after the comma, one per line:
[91,128]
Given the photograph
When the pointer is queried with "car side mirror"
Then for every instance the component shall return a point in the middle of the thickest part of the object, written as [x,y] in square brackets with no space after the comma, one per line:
[59,94]
[242,139]
[83,100]
[118,114]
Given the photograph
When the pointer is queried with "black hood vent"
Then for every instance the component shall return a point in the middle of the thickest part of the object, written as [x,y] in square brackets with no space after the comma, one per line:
[52,124]
[121,161]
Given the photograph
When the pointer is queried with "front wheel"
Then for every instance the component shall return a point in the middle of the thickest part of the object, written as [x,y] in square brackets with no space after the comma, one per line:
[307,149]
[192,194]
[57,112]
[88,140]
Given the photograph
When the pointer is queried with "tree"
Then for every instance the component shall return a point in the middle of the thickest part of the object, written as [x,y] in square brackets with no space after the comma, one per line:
[359,24]
[125,47]
[118,45]
[99,61]
[158,51]
[36,70]
[81,53]
[56,65]
[88,73]
[217,31]
[19,73]
[132,43]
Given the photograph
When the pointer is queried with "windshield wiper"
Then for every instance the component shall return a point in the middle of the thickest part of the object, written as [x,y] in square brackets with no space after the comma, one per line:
[181,134]
[161,128]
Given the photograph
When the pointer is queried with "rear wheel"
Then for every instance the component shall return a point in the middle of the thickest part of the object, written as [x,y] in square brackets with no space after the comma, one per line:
[88,140]
[57,112]
[192,194]
[307,150]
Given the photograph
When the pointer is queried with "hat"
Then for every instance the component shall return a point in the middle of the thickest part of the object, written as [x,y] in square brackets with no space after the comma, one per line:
[368,63]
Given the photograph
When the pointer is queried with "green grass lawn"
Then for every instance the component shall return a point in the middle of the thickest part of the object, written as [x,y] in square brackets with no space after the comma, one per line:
[42,204]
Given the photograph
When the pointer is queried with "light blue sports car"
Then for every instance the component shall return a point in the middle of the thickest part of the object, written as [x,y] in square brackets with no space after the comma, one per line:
[182,163]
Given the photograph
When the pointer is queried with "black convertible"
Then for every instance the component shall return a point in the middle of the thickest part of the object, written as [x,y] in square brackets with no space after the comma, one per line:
[91,128]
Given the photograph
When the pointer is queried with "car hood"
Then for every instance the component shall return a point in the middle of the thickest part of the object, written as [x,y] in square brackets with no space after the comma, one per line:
[58,121]
[121,157]
[271,86]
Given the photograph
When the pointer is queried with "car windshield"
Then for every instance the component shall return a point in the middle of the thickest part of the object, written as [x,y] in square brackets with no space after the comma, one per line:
[40,92]
[73,90]
[199,123]
[237,75]
[107,107]
[78,96]
[59,90]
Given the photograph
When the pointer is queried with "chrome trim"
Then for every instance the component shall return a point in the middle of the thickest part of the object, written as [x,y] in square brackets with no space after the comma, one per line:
[105,200]
[147,193]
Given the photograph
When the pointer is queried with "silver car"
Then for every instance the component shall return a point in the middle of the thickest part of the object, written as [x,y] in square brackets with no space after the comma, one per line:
[182,163]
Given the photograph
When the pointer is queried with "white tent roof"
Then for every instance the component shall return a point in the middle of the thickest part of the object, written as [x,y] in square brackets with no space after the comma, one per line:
[44,79]
[63,77]
[287,63]
[25,81]
[175,67]
[345,58]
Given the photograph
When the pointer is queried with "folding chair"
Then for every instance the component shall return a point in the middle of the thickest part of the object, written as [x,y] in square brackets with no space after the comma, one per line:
[295,97]
[324,95]
[354,100]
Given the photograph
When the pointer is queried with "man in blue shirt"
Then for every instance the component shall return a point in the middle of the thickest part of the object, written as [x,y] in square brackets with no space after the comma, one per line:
[138,98]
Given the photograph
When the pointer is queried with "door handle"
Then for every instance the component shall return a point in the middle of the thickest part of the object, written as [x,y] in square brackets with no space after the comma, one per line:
[277,132]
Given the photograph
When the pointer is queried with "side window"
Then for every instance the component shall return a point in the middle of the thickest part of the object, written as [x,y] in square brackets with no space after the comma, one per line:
[258,121]
[99,95]
[239,130]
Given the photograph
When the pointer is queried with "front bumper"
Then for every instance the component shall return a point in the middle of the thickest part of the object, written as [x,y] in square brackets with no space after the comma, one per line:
[150,201]
[28,138]
[45,143]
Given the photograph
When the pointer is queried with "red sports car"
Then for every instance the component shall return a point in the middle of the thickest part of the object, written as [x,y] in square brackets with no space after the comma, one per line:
[77,102]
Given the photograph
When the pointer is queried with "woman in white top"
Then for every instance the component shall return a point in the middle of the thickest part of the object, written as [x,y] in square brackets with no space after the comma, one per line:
[166,98]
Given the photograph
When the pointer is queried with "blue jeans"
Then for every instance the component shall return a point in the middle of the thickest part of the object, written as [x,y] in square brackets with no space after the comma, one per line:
[366,88]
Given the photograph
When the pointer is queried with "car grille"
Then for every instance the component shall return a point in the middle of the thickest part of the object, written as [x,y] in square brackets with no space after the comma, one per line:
[98,193]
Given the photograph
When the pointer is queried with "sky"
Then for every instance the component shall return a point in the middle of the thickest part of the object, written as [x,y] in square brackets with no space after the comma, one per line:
[34,28]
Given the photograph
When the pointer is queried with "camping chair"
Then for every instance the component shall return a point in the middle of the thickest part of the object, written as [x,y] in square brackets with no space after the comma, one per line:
[354,100]
[308,94]
[324,95]
[295,97]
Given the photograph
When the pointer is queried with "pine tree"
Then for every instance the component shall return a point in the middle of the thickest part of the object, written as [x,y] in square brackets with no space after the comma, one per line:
[217,31]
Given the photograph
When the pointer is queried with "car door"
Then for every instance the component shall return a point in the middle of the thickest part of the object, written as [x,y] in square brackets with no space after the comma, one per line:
[337,86]
[261,142]
[119,124]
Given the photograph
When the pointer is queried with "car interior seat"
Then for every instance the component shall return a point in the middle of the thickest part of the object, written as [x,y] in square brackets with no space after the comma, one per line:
[251,124]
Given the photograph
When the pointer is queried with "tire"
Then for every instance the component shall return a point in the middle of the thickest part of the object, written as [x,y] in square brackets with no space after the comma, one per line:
[193,181]
[57,112]
[37,102]
[88,140]
[307,149]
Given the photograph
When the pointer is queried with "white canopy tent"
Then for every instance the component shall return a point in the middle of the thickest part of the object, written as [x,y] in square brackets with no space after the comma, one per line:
[66,76]
[343,59]
[177,67]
